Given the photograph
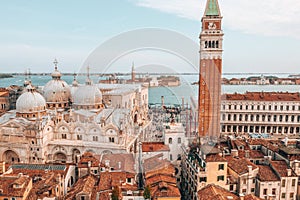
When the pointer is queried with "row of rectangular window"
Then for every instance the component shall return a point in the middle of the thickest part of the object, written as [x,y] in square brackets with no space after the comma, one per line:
[95,138]
[260,107]
[276,118]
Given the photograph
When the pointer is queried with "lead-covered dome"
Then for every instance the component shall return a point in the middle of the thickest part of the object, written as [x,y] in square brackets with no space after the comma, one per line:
[57,92]
[87,96]
[30,101]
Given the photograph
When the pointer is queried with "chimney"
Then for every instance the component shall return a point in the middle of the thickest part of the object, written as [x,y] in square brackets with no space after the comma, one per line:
[286,140]
[120,165]
[106,163]
[242,196]
[249,168]
[247,154]
[289,172]
[89,164]
[234,153]
[267,160]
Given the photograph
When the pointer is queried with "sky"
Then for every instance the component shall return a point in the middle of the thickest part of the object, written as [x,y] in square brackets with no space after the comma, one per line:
[260,36]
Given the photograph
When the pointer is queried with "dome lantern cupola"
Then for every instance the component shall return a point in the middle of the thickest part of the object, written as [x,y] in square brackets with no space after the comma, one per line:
[56,74]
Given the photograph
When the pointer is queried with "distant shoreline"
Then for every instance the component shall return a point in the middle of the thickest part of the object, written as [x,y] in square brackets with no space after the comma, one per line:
[144,73]
[6,76]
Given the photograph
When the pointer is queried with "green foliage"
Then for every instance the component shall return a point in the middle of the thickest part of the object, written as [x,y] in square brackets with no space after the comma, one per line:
[147,192]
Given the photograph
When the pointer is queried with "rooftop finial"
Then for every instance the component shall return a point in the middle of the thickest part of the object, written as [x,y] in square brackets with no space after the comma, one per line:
[56,74]
[74,75]
[88,80]
[27,79]
[55,63]
[88,71]
[29,75]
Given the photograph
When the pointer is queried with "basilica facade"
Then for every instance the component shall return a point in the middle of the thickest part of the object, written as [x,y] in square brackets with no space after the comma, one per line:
[63,121]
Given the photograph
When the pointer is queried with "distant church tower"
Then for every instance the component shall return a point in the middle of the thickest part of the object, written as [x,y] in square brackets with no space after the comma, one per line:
[133,73]
[209,101]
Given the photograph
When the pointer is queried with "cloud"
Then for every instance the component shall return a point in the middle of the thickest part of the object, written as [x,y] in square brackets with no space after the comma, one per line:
[268,17]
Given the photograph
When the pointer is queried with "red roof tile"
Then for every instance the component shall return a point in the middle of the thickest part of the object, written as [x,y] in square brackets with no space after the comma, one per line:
[282,168]
[154,146]
[240,165]
[263,96]
[214,192]
[266,174]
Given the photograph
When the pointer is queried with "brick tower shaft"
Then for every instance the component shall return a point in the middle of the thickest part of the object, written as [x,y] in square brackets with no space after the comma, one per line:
[209,99]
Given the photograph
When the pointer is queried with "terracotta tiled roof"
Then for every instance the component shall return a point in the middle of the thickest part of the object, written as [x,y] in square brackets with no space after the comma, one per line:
[113,179]
[267,174]
[164,190]
[251,153]
[156,163]
[154,146]
[7,182]
[212,192]
[166,170]
[215,158]
[83,185]
[273,145]
[240,165]
[159,175]
[42,184]
[290,150]
[119,162]
[156,178]
[88,157]
[263,96]
[281,167]
[236,143]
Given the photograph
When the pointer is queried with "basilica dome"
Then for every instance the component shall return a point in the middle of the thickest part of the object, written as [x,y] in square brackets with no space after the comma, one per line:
[30,101]
[57,91]
[87,95]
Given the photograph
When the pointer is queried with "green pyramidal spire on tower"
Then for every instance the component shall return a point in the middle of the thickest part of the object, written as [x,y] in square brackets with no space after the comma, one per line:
[212,8]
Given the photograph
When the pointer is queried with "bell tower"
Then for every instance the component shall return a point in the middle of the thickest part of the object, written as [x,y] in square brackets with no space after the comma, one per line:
[209,97]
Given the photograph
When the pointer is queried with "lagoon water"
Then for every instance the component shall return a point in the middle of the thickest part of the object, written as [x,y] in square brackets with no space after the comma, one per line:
[172,95]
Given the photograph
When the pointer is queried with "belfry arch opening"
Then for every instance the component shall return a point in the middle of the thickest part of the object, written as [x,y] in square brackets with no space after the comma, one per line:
[10,157]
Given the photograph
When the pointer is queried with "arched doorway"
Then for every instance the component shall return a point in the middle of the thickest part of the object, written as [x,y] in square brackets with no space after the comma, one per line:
[60,157]
[135,117]
[10,157]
